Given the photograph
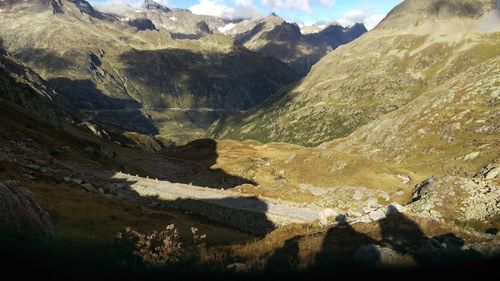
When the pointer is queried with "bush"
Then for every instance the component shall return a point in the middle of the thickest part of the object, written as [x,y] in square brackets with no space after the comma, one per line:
[160,248]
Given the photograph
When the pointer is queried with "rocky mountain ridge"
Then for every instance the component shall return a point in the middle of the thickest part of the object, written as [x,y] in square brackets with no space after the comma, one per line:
[272,36]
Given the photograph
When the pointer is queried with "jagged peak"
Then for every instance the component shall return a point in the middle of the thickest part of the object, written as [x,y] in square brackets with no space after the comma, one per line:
[57,6]
[152,5]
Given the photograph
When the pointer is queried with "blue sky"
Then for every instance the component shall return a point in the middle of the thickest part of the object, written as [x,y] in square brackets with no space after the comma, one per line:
[307,12]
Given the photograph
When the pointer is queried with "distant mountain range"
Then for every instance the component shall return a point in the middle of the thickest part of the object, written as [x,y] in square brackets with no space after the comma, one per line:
[154,58]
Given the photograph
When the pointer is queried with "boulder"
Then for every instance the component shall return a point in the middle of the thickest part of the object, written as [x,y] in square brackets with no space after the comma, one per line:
[20,214]
[375,255]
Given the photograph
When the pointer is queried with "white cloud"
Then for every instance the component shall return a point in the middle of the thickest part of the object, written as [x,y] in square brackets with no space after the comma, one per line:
[120,6]
[327,3]
[219,8]
[360,16]
[301,5]
[212,8]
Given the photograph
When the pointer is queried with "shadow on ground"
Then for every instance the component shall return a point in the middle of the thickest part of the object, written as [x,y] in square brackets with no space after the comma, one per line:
[399,244]
[203,154]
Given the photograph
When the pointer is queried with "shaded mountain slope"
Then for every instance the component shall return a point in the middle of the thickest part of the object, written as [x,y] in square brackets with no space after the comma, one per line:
[100,62]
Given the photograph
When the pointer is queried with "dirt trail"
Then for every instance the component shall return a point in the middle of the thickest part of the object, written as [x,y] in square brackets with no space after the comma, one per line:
[278,212]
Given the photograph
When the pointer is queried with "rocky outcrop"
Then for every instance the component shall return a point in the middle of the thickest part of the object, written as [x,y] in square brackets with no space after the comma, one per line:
[152,5]
[19,212]
[272,36]
[457,200]
[142,24]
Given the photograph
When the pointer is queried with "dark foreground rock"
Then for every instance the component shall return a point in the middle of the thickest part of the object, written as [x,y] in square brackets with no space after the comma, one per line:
[20,214]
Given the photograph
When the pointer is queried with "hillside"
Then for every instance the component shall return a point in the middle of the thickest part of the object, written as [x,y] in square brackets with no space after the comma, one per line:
[420,47]
[384,159]
[99,61]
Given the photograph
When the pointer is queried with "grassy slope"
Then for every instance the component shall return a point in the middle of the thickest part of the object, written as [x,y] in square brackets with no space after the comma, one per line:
[378,73]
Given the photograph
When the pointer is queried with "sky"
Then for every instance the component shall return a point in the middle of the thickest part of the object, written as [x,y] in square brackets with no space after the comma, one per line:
[303,12]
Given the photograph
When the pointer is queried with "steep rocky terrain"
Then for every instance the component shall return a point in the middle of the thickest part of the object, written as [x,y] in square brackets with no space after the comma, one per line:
[272,36]
[414,56]
[100,62]
[181,23]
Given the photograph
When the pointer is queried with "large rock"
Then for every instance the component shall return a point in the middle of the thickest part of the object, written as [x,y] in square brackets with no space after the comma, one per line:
[19,213]
[375,255]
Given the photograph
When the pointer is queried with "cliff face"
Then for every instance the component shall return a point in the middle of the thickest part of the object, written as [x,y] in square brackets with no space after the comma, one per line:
[274,37]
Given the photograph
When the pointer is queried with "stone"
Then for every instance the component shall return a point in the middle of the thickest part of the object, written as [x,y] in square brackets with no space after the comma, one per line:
[358,195]
[375,255]
[77,181]
[28,176]
[88,187]
[238,267]
[33,167]
[395,208]
[492,174]
[471,156]
[372,201]
[378,214]
[325,215]
[20,213]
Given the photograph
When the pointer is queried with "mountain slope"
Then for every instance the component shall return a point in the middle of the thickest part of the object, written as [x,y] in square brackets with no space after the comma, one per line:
[420,47]
[272,36]
[102,63]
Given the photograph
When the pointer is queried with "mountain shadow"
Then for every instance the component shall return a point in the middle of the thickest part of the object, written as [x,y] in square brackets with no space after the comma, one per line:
[47,60]
[203,154]
[119,114]
[237,80]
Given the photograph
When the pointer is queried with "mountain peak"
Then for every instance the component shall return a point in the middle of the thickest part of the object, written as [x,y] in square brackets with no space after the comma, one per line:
[152,5]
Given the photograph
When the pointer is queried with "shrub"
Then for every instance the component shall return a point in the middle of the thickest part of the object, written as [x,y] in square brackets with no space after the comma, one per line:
[160,248]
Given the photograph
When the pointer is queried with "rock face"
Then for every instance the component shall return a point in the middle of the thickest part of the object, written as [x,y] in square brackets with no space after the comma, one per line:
[181,23]
[142,24]
[274,37]
[152,5]
[457,200]
[19,213]
[21,86]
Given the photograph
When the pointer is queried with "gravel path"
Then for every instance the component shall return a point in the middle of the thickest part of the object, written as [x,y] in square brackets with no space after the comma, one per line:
[277,211]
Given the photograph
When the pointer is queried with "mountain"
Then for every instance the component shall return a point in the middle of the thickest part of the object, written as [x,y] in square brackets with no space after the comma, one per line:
[181,23]
[126,72]
[414,187]
[414,66]
[272,36]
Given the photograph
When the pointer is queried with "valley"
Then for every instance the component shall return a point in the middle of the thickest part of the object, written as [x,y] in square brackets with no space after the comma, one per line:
[153,140]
